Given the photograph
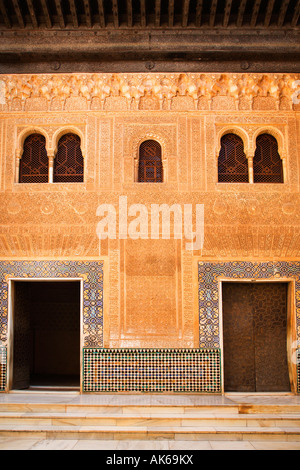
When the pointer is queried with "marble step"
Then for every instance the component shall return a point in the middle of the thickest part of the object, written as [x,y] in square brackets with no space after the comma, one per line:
[164,409]
[148,419]
[116,408]
[264,408]
[152,432]
[141,420]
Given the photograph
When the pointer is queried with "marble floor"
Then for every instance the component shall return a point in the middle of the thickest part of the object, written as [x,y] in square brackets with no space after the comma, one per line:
[9,443]
[55,444]
[75,398]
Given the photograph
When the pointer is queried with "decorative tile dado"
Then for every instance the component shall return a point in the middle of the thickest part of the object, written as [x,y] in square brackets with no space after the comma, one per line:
[152,370]
[91,273]
[298,370]
[3,369]
[209,275]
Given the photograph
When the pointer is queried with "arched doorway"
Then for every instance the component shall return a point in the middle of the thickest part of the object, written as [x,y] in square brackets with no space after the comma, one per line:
[46,334]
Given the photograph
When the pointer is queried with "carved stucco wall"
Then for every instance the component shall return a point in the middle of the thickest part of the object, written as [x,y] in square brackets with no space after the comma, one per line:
[151,285]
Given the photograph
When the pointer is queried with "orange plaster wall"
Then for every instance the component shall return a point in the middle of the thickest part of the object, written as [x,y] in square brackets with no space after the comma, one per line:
[150,284]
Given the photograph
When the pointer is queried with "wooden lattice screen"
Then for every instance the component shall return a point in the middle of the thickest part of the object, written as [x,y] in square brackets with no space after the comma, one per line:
[267,164]
[150,163]
[34,161]
[232,162]
[68,163]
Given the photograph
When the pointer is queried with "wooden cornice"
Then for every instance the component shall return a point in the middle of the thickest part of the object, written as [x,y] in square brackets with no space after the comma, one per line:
[187,35]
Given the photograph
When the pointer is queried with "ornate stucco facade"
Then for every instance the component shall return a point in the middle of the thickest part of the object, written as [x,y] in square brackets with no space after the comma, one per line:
[147,293]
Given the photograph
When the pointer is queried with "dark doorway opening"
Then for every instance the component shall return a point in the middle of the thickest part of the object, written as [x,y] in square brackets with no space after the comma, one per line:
[46,334]
[255,337]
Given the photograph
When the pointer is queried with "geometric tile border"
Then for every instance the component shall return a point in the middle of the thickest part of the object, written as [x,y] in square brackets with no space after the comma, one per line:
[209,274]
[151,370]
[91,272]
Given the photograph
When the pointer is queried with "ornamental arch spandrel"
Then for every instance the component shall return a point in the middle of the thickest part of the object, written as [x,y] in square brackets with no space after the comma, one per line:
[69,130]
[24,133]
[277,134]
[237,130]
[133,148]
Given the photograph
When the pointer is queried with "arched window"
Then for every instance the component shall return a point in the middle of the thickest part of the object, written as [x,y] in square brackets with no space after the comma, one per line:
[68,163]
[150,163]
[232,162]
[34,162]
[267,164]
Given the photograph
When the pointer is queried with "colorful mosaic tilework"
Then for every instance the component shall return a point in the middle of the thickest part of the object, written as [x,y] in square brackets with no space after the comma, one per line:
[151,370]
[2,369]
[209,275]
[91,272]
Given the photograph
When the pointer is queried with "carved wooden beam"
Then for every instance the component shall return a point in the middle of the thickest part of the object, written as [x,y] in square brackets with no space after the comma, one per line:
[185,13]
[4,14]
[129,13]
[213,11]
[279,13]
[60,14]
[199,13]
[46,14]
[255,12]
[88,15]
[32,14]
[282,12]
[240,17]
[227,12]
[74,13]
[269,13]
[143,13]
[171,13]
[157,12]
[296,14]
[116,13]
[18,13]
[101,13]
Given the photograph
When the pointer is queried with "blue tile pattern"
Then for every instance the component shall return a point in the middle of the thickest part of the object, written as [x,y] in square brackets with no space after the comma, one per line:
[91,272]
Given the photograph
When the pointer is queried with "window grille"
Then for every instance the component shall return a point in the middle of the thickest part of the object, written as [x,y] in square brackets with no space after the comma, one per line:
[232,162]
[150,163]
[267,164]
[34,162]
[68,163]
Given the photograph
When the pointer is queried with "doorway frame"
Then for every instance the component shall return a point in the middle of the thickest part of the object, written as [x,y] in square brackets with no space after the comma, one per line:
[291,327]
[208,326]
[10,325]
